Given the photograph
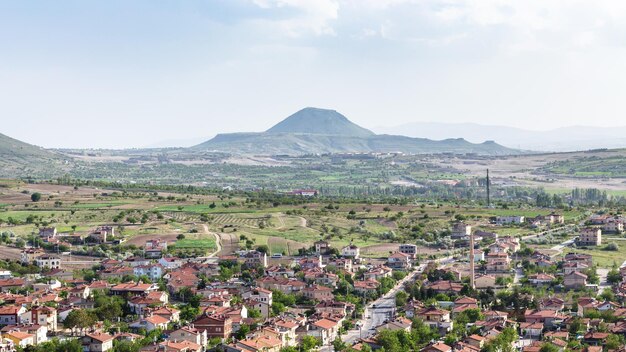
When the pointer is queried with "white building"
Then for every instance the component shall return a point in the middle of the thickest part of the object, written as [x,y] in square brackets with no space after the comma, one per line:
[48,262]
[505,220]
[351,251]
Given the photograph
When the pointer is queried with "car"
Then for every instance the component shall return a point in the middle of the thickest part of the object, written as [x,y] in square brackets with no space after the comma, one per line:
[277,255]
[373,306]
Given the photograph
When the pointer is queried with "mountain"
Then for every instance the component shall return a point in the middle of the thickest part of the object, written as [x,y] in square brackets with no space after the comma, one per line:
[320,121]
[15,150]
[22,159]
[564,139]
[317,131]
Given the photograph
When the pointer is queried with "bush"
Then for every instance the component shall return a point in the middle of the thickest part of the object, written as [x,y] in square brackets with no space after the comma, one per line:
[612,247]
[35,197]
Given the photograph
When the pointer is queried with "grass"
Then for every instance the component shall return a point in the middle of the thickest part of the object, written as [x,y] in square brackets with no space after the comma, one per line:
[604,258]
[207,243]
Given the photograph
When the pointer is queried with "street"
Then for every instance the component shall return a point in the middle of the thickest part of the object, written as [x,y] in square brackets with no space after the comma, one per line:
[385,307]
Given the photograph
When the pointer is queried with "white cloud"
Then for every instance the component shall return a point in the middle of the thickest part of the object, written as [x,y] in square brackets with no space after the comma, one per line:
[313,16]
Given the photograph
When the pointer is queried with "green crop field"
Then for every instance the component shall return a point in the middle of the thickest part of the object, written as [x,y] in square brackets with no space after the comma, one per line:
[207,243]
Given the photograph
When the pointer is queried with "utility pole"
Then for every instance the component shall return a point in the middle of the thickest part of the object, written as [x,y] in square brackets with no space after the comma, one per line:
[488,191]
[471,258]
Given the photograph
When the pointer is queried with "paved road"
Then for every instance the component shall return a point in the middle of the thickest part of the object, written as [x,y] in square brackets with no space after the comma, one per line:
[384,310]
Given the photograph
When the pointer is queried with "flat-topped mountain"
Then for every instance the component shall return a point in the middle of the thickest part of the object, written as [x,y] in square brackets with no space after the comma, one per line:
[317,131]
[320,121]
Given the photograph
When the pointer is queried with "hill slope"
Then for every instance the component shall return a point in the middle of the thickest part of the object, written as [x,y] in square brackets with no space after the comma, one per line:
[298,144]
[562,139]
[13,149]
[320,121]
[320,131]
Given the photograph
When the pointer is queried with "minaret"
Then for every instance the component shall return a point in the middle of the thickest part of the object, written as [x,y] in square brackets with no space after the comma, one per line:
[488,191]
[471,258]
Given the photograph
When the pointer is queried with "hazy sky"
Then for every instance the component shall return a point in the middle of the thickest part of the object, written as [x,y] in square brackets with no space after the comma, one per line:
[132,73]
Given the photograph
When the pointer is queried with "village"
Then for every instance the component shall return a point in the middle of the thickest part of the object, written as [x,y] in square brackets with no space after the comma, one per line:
[493,293]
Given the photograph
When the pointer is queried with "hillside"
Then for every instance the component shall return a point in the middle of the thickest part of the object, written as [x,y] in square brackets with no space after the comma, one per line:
[320,121]
[316,131]
[298,144]
[13,149]
[19,158]
[564,139]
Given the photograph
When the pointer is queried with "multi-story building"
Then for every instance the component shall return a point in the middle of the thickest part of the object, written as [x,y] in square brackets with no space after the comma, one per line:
[48,261]
[590,236]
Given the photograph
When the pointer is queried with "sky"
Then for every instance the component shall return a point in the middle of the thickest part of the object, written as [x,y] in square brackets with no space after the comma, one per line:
[120,74]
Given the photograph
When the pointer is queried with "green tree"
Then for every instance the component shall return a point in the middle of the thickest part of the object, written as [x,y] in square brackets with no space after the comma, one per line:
[308,343]
[80,319]
[35,197]
[548,347]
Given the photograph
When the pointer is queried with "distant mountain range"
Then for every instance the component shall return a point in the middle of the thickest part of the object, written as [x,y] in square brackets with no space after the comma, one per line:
[314,130]
[572,138]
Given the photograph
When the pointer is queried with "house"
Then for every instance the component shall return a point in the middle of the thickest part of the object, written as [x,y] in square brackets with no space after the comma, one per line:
[154,271]
[321,247]
[29,255]
[460,231]
[437,347]
[408,249]
[570,267]
[400,323]
[178,346]
[97,342]
[553,303]
[575,280]
[350,251]
[324,329]
[319,293]
[498,265]
[366,287]
[47,232]
[258,344]
[579,257]
[305,192]
[464,303]
[595,338]
[155,248]
[101,233]
[476,341]
[255,258]
[590,236]
[541,279]
[5,274]
[531,330]
[48,261]
[399,261]
[548,318]
[170,263]
[445,286]
[613,226]
[44,316]
[134,288]
[191,334]
[507,220]
[10,284]
[436,318]
[377,273]
[19,338]
[39,332]
[215,325]
[259,294]
[10,314]
[150,323]
[287,329]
